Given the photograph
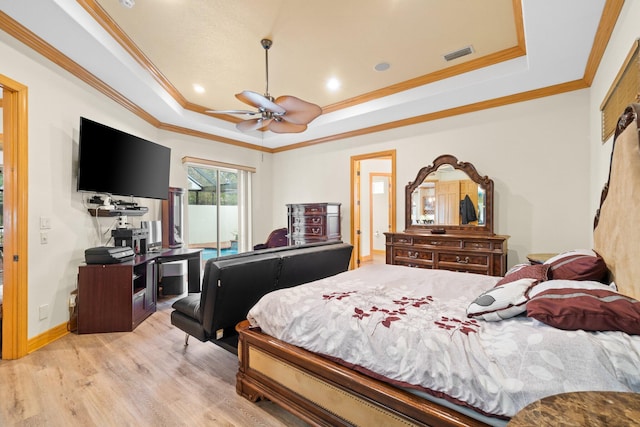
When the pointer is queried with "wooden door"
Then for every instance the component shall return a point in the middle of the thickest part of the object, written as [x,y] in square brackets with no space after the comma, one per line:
[448,202]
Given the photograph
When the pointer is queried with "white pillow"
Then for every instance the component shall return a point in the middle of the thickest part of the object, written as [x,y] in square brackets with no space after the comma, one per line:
[502,302]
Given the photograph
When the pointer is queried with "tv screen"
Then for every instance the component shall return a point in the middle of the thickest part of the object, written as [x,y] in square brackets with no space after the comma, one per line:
[117,163]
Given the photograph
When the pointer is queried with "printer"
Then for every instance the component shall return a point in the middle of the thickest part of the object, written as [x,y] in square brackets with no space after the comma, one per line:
[108,254]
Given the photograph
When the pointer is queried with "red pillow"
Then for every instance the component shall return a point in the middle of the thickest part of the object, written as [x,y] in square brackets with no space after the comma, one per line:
[525,271]
[581,264]
[590,306]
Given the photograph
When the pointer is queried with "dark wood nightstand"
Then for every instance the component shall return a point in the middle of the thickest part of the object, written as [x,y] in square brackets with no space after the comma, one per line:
[539,258]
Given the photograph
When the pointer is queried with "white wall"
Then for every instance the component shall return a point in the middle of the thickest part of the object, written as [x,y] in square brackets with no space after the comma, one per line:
[536,152]
[624,35]
[56,101]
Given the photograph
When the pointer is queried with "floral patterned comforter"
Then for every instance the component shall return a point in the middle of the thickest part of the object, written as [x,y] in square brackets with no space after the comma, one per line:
[408,326]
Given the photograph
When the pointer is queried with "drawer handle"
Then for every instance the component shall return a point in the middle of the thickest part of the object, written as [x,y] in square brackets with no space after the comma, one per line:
[316,230]
[316,220]
[402,240]
[413,255]
[462,261]
[436,242]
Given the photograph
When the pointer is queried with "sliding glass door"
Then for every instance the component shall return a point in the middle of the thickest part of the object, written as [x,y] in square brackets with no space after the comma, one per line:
[218,210]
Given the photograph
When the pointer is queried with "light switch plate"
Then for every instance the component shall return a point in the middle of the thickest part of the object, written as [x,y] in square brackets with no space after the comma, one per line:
[45,223]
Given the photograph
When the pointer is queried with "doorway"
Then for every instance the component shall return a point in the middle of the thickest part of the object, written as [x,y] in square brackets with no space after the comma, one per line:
[15,197]
[380,208]
[372,214]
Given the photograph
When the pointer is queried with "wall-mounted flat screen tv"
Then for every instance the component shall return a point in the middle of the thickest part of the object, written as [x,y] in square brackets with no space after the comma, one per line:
[117,163]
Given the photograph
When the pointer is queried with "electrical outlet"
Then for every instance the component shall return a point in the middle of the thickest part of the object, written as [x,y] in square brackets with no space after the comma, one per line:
[44,238]
[43,311]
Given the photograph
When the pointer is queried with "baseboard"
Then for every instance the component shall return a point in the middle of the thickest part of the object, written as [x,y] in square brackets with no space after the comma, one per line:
[47,337]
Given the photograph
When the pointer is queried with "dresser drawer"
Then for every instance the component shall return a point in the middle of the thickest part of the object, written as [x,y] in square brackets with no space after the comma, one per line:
[463,259]
[437,243]
[308,220]
[309,230]
[303,240]
[474,244]
[401,240]
[308,209]
[414,264]
[413,254]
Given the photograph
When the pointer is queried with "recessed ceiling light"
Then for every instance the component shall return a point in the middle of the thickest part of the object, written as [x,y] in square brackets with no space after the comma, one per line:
[333,84]
[198,88]
[127,3]
[382,66]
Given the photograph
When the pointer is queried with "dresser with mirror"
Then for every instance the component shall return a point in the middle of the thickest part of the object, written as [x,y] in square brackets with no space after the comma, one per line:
[449,222]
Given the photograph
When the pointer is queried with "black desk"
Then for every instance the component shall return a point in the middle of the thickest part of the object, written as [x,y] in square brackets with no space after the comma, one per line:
[192,256]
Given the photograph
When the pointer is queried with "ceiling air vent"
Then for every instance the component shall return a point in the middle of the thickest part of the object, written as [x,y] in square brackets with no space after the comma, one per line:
[458,53]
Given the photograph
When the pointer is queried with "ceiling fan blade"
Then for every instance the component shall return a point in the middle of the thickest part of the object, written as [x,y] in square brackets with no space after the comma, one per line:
[286,127]
[248,112]
[251,124]
[259,101]
[298,111]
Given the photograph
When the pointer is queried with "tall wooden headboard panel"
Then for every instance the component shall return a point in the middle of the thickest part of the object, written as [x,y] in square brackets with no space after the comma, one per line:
[617,223]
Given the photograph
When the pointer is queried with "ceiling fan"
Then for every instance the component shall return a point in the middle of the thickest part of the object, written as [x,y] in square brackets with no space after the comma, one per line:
[285,114]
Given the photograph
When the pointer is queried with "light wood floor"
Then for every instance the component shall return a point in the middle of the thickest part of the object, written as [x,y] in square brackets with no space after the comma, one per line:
[140,378]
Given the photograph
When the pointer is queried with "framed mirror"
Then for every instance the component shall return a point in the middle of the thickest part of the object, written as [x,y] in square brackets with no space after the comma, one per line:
[449,196]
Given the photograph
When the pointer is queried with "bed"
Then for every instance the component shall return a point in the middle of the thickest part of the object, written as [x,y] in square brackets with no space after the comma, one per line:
[496,344]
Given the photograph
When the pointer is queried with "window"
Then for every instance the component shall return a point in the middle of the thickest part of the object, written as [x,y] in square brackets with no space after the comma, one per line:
[624,91]
[219,208]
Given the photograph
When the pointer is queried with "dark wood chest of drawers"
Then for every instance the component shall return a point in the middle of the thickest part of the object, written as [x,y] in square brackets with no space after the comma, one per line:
[474,254]
[313,222]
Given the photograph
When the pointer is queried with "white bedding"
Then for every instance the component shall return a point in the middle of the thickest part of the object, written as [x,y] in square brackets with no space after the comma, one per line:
[409,326]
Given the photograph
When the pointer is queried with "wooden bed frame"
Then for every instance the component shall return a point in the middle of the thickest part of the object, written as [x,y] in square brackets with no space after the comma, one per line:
[325,393]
